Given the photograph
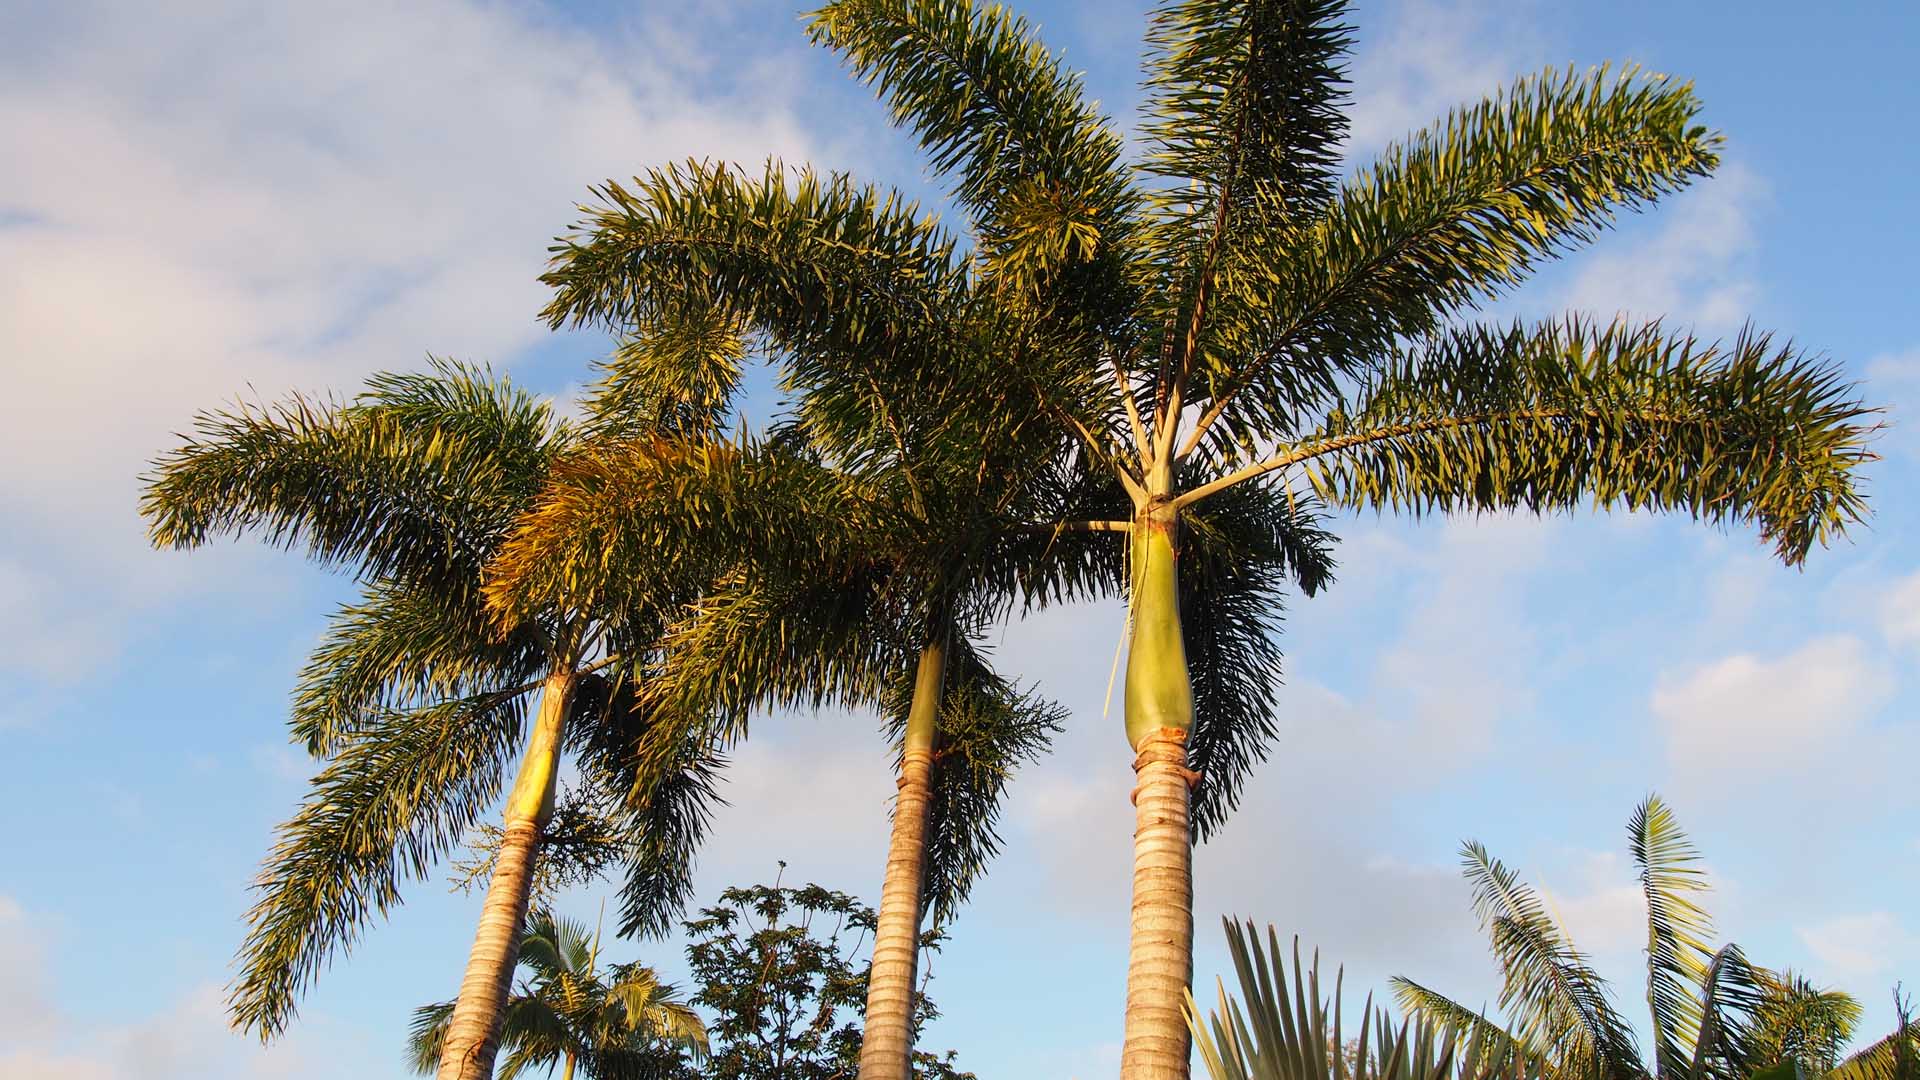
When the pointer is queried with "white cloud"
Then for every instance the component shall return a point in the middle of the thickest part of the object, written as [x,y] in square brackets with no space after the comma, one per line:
[1900,611]
[1893,378]
[185,1038]
[1429,56]
[1693,270]
[1604,912]
[1744,718]
[202,198]
[1856,948]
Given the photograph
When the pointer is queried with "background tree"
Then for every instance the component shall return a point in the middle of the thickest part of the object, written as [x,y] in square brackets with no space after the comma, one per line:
[613,1024]
[1713,1015]
[780,970]
[416,697]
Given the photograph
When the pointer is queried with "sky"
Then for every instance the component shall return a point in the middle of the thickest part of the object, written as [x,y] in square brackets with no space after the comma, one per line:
[203,200]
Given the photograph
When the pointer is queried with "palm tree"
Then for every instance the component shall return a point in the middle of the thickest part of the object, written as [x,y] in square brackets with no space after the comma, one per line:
[416,698]
[1231,315]
[1285,1032]
[620,1022]
[1714,1015]
[867,583]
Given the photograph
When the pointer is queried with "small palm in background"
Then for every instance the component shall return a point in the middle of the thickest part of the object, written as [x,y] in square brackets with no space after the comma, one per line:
[1714,1015]
[618,1022]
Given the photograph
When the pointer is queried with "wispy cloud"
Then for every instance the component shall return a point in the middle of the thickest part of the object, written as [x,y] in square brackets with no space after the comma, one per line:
[205,198]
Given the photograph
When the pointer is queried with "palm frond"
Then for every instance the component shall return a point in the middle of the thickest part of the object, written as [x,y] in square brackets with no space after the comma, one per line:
[1245,102]
[1238,551]
[1731,997]
[427,1036]
[988,729]
[1443,221]
[1036,166]
[1794,1020]
[1558,1002]
[1282,1028]
[676,371]
[660,783]
[398,648]
[1617,416]
[1475,1033]
[396,797]
[412,482]
[1678,934]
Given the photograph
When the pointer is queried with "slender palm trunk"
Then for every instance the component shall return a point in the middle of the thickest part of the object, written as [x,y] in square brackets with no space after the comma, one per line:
[1159,711]
[887,1052]
[473,1031]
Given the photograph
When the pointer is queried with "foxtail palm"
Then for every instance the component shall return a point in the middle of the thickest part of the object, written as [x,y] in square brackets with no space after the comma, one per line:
[1713,1015]
[415,698]
[869,583]
[1231,315]
[621,1021]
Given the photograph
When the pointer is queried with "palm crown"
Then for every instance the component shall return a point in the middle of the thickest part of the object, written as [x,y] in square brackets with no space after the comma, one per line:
[417,697]
[621,1021]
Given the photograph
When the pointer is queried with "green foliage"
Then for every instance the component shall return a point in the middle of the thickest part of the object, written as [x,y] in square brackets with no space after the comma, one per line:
[396,797]
[1286,1031]
[988,728]
[780,972]
[1714,1015]
[415,698]
[615,1023]
[1572,414]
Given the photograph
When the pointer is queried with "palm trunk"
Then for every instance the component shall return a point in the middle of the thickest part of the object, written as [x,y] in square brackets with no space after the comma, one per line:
[473,1031]
[1159,711]
[887,1050]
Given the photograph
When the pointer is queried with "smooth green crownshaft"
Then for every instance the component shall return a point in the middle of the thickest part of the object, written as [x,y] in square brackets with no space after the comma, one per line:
[1159,693]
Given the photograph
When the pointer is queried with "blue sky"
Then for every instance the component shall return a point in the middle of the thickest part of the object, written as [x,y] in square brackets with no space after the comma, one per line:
[199,198]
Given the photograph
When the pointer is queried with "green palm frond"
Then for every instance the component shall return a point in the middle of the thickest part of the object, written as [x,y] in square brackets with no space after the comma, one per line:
[677,371]
[552,946]
[1036,166]
[1896,1057]
[396,796]
[399,648]
[1795,1020]
[1574,414]
[1245,106]
[611,1024]
[632,523]
[1679,933]
[1474,1032]
[1730,1000]
[427,1036]
[412,482]
[846,280]
[1443,221]
[536,1034]
[1238,553]
[1558,1002]
[988,729]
